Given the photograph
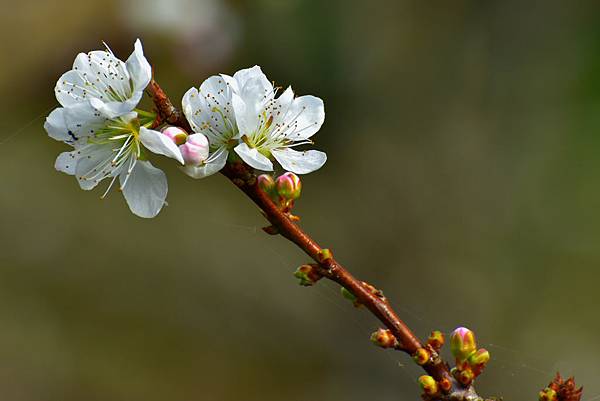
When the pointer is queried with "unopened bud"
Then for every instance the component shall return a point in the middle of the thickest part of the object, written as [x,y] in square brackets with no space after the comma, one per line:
[308,275]
[384,339]
[436,340]
[266,183]
[348,295]
[464,377]
[324,254]
[479,359]
[462,343]
[445,384]
[421,356]
[428,385]
[289,186]
[176,134]
[548,394]
[195,150]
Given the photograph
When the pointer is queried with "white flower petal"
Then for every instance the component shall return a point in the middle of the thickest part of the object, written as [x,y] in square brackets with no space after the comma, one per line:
[304,118]
[114,109]
[145,190]
[93,165]
[253,76]
[160,144]
[139,68]
[66,162]
[214,164]
[81,122]
[56,126]
[209,110]
[253,157]
[300,162]
[253,95]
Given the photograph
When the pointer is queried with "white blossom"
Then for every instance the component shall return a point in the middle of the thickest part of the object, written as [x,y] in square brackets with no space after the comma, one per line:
[110,139]
[105,83]
[269,127]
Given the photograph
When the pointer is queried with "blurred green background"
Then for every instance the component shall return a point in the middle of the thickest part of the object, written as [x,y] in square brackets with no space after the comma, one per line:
[463,179]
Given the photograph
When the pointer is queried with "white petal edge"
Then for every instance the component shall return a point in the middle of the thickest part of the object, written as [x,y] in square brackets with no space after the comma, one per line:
[305,115]
[56,126]
[66,162]
[160,144]
[139,68]
[146,189]
[253,157]
[300,162]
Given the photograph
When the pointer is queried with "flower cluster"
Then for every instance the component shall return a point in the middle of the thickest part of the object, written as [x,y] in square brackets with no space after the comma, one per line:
[110,137]
[241,113]
[470,363]
[234,118]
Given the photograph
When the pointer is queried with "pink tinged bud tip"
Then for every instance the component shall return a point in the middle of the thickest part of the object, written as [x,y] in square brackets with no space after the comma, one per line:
[462,343]
[289,186]
[195,150]
[266,183]
[176,134]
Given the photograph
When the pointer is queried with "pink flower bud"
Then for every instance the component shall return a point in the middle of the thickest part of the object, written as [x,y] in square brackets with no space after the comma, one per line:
[266,183]
[289,186]
[195,150]
[176,134]
[462,343]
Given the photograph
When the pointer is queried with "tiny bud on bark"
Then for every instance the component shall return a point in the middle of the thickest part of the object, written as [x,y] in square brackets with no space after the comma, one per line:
[349,296]
[428,385]
[445,384]
[308,275]
[548,395]
[436,340]
[384,339]
[464,377]
[421,357]
[324,254]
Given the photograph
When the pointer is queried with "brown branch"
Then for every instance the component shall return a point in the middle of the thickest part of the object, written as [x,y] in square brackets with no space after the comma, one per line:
[245,179]
[282,223]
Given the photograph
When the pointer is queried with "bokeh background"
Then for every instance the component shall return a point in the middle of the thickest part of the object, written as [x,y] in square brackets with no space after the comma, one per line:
[463,179]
